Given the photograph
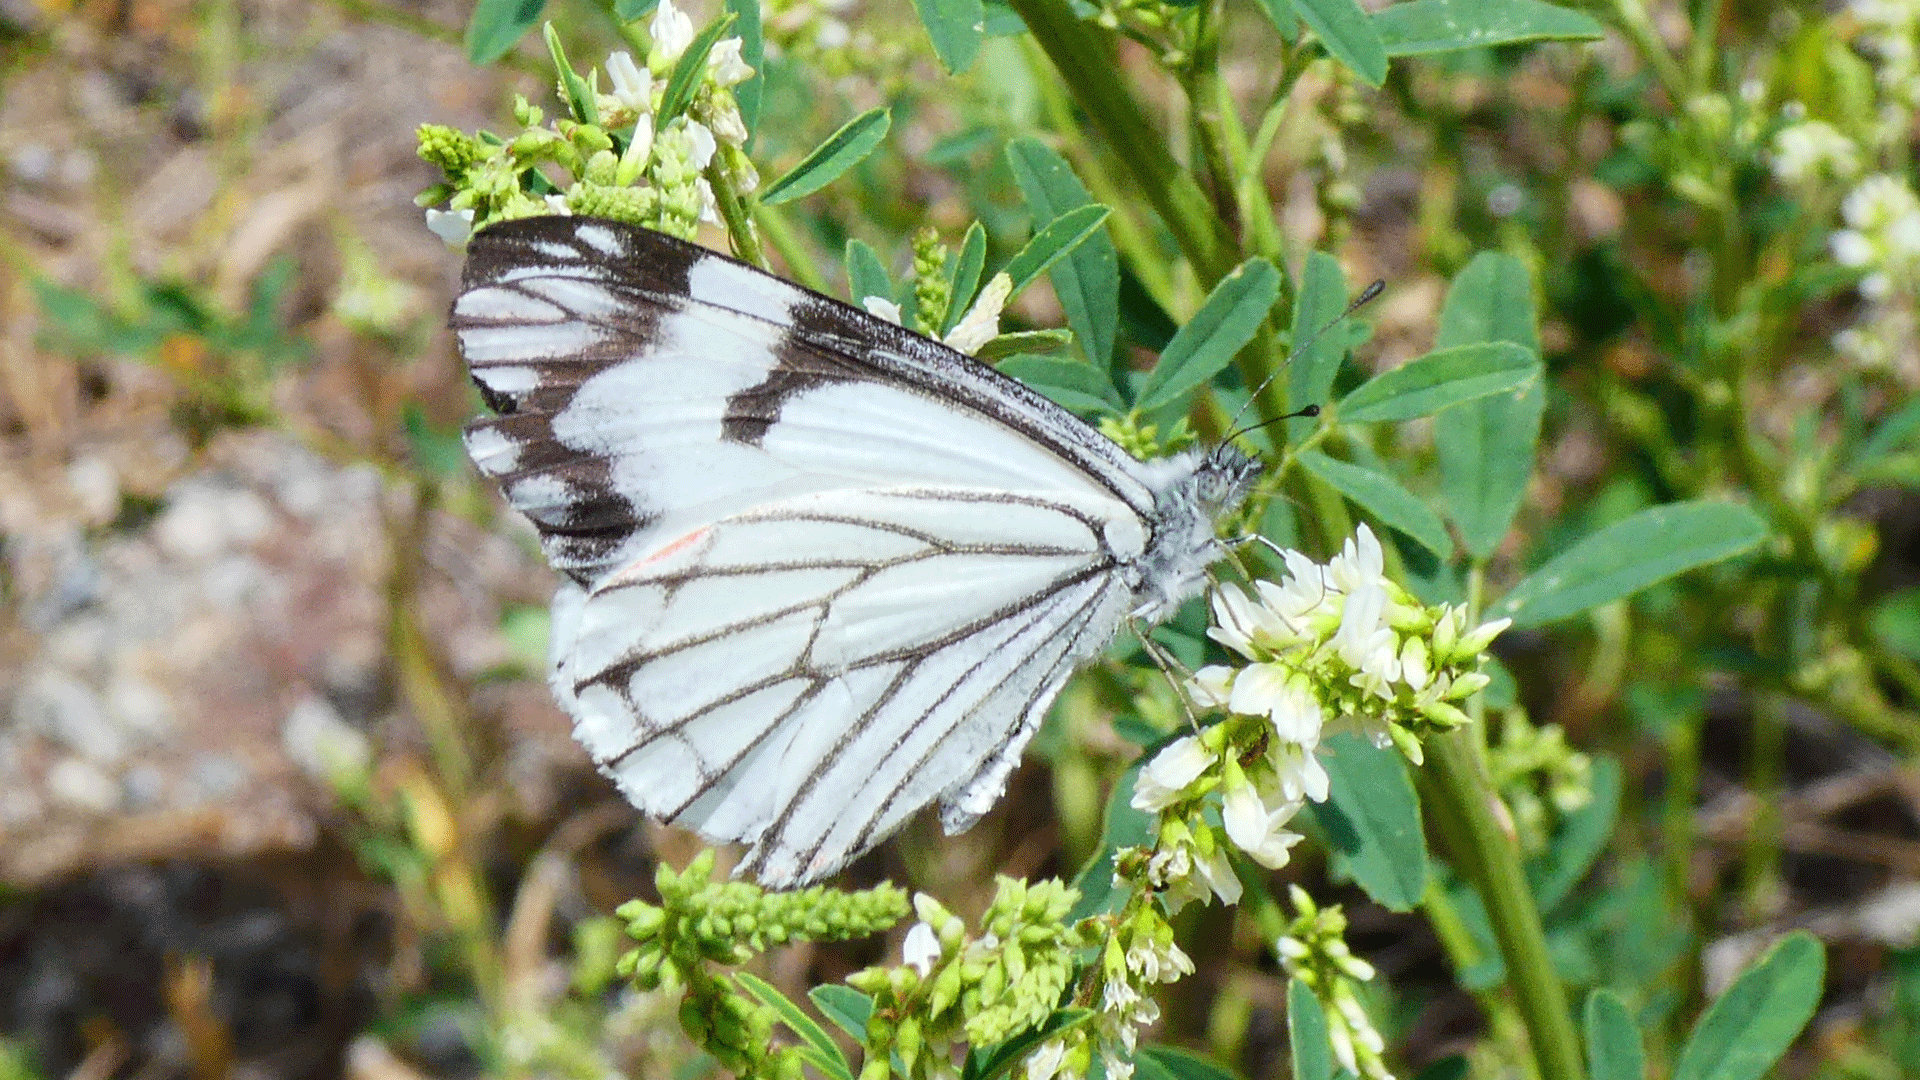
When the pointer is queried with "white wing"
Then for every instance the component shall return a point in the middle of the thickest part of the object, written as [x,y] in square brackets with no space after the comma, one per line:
[805,675]
[647,386]
[827,570]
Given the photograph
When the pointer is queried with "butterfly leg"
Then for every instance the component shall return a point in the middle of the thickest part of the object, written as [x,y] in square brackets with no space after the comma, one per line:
[1167,662]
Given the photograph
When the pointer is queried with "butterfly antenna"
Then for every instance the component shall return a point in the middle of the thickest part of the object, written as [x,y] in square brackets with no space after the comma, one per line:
[1367,296]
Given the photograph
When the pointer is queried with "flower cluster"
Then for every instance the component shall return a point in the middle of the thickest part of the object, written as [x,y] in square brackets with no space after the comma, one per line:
[1138,954]
[1313,950]
[630,153]
[984,989]
[1540,778]
[701,921]
[1889,31]
[1811,152]
[1332,645]
[1882,236]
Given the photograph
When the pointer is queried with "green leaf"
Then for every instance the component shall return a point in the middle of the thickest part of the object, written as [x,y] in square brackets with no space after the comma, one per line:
[1747,1029]
[580,99]
[1228,320]
[1441,378]
[1895,433]
[956,28]
[1579,840]
[633,10]
[866,274]
[1125,827]
[1052,244]
[1431,26]
[1318,344]
[1447,1068]
[842,151]
[1171,1063]
[1372,821]
[1895,622]
[986,1064]
[832,1068]
[437,451]
[797,1020]
[1307,1036]
[1087,281]
[688,70]
[1629,555]
[1614,1050]
[846,1007]
[1486,447]
[1284,18]
[1349,37]
[1022,341]
[753,51]
[497,25]
[966,273]
[1384,498]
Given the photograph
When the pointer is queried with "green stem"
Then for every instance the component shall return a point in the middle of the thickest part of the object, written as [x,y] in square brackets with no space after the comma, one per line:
[739,219]
[1461,798]
[792,251]
[1088,66]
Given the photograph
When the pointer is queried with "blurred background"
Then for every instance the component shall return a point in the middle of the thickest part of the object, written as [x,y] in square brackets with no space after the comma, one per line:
[283,794]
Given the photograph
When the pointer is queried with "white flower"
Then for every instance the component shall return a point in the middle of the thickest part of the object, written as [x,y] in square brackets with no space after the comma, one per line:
[1255,825]
[1119,997]
[1159,963]
[1284,697]
[1171,770]
[672,31]
[1217,871]
[557,204]
[881,307]
[1044,1063]
[728,125]
[725,65]
[1118,1067]
[1245,625]
[1813,150]
[1360,561]
[981,323]
[632,84]
[921,949]
[709,208]
[1851,248]
[452,227]
[1301,774]
[700,143]
[1211,686]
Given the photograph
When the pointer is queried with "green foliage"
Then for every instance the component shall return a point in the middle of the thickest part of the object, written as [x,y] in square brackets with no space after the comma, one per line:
[1371,820]
[843,150]
[1747,1028]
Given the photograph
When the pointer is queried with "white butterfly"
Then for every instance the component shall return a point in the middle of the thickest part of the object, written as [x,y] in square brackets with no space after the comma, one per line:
[824,570]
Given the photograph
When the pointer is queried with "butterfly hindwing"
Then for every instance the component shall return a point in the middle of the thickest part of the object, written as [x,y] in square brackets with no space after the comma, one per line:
[804,675]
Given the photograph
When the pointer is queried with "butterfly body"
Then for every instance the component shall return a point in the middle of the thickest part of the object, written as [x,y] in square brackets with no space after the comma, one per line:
[823,571]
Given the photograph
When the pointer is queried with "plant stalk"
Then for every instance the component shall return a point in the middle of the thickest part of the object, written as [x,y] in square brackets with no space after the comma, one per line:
[1461,798]
[1089,68]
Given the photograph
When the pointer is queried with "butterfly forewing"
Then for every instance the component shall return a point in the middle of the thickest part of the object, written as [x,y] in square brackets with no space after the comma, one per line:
[825,571]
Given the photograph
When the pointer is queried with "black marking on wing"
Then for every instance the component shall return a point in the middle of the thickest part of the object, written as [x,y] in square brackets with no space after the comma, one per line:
[594,517]
[752,411]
